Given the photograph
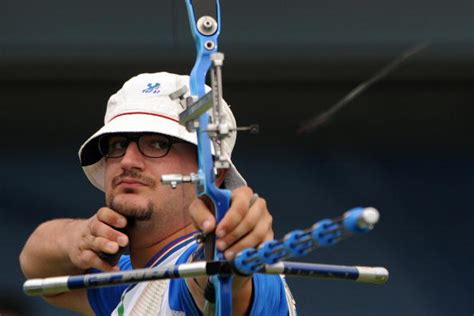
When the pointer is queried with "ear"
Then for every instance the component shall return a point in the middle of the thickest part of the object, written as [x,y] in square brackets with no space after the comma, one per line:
[220,177]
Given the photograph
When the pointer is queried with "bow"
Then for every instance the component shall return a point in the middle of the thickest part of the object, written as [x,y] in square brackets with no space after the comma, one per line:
[204,18]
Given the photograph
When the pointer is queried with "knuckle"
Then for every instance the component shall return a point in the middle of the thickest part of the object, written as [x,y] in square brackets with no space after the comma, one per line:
[94,228]
[270,220]
[246,191]
[238,215]
[97,244]
[102,212]
[247,243]
[260,235]
[106,215]
[247,224]
[104,245]
[90,222]
[194,208]
[84,259]
[233,235]
[269,236]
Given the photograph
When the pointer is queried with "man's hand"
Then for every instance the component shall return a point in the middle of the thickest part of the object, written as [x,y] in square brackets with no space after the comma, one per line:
[71,246]
[247,223]
[243,226]
[97,234]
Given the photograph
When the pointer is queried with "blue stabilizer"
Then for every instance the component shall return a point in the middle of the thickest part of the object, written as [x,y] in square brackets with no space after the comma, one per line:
[351,221]
[248,261]
[272,251]
[326,232]
[298,242]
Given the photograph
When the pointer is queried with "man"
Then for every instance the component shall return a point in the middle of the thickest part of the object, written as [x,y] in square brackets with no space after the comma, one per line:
[140,141]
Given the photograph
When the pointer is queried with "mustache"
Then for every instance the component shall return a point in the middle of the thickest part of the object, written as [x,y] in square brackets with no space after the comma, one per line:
[135,174]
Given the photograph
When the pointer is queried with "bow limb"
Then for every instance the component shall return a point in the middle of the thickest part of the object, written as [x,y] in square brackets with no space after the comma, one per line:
[204,17]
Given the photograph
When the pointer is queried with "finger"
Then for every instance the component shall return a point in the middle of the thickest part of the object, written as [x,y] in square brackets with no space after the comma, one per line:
[89,259]
[201,216]
[258,212]
[111,217]
[101,244]
[261,233]
[239,207]
[100,229]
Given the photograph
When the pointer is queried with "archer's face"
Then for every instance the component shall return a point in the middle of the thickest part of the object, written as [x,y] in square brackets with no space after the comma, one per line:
[133,187]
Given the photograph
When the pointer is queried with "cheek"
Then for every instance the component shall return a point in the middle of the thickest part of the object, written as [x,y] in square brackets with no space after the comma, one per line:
[174,164]
[108,176]
[189,160]
[107,190]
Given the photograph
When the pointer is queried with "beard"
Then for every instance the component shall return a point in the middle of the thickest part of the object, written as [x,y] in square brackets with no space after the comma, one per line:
[131,212]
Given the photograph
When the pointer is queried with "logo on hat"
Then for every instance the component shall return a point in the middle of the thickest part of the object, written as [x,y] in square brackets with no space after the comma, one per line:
[152,88]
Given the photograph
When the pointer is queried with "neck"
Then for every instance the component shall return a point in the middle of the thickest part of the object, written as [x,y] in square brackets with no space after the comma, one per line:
[141,254]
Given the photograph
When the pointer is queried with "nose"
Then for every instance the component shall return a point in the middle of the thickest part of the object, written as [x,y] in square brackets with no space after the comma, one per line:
[133,158]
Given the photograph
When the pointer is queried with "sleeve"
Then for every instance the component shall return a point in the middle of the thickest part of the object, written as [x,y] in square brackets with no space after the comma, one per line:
[271,295]
[103,300]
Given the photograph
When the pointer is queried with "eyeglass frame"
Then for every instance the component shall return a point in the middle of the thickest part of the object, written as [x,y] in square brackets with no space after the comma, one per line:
[135,137]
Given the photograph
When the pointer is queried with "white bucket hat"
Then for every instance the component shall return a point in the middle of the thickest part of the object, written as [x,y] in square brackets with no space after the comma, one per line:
[143,105]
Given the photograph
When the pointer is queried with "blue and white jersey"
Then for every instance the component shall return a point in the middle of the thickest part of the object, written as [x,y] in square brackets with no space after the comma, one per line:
[271,295]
